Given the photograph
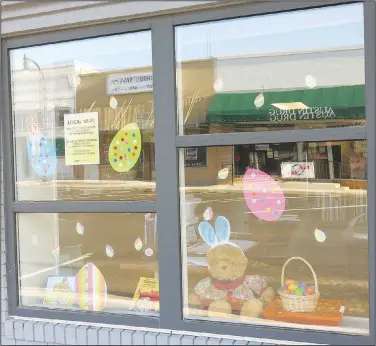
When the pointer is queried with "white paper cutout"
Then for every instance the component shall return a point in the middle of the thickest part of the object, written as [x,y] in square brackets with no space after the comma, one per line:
[113,102]
[80,229]
[149,252]
[208,214]
[320,236]
[138,244]
[259,101]
[35,239]
[109,251]
[310,81]
[56,251]
[218,84]
[223,173]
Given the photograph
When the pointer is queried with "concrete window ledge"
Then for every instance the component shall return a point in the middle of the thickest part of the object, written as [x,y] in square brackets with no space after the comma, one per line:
[30,332]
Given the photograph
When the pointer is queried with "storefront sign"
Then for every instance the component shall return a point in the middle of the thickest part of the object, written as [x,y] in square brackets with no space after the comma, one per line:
[129,83]
[312,113]
[81,136]
[298,170]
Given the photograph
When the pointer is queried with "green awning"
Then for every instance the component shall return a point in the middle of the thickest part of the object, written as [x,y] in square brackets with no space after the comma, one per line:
[343,102]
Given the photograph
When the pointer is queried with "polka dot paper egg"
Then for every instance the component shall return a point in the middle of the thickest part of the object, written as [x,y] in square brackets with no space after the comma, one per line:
[263,195]
[125,148]
[42,155]
[91,288]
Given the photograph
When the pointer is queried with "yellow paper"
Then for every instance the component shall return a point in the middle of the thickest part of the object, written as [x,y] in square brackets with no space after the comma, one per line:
[145,285]
[81,135]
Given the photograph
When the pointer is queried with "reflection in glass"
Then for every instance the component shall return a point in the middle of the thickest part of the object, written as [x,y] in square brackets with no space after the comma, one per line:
[304,202]
[299,69]
[89,262]
[83,119]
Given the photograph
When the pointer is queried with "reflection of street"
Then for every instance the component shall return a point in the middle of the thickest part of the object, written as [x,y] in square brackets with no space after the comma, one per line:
[341,261]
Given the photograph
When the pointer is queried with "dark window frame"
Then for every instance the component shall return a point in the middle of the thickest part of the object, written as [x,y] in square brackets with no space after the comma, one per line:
[167,143]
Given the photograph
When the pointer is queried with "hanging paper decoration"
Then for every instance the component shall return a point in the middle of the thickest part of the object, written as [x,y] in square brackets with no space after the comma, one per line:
[35,239]
[80,229]
[259,100]
[109,251]
[223,173]
[208,214]
[91,288]
[310,81]
[113,102]
[138,244]
[149,252]
[125,148]
[263,195]
[218,84]
[41,151]
[56,251]
[320,236]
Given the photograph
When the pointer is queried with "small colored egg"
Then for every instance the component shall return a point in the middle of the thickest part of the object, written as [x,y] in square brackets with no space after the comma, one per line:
[299,292]
[310,290]
[292,287]
[286,291]
[208,214]
[223,173]
[110,251]
[289,282]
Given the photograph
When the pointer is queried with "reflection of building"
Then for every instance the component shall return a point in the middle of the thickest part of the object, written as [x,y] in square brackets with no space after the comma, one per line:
[273,92]
[44,96]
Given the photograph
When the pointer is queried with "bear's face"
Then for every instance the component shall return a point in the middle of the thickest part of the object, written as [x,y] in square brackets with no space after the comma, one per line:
[226,262]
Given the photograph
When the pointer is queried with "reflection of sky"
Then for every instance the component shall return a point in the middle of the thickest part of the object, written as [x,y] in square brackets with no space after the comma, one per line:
[325,28]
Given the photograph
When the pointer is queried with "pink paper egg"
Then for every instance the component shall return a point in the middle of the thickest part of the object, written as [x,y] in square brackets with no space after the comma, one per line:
[263,195]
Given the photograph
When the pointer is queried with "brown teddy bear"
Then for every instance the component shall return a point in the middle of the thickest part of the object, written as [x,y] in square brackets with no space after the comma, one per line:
[228,290]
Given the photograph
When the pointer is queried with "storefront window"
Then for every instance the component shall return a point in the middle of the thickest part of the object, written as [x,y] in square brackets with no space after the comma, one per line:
[296,210]
[91,262]
[285,71]
[83,120]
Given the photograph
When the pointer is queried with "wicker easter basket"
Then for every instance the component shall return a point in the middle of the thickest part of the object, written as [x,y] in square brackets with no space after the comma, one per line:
[295,303]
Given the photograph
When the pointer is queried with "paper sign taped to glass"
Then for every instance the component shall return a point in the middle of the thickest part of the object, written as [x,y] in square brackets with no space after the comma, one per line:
[81,135]
[146,296]
[298,170]
[60,291]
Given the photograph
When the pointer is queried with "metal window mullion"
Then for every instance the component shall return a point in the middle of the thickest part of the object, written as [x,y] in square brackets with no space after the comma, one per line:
[370,96]
[166,161]
[8,182]
[85,207]
[285,136]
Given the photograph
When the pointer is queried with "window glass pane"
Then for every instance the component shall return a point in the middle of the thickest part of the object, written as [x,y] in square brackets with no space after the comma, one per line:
[83,119]
[280,201]
[91,262]
[300,69]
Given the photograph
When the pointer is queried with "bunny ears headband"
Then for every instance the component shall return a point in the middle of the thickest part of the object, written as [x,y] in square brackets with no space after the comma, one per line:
[220,235]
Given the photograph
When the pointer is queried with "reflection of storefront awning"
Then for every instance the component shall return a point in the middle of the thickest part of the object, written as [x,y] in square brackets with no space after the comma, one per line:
[343,102]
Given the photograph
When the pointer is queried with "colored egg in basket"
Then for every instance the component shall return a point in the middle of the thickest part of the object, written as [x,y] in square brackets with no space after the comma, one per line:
[125,148]
[91,288]
[42,155]
[297,288]
[263,195]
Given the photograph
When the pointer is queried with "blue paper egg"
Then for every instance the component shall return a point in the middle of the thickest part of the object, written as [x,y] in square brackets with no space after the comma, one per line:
[42,155]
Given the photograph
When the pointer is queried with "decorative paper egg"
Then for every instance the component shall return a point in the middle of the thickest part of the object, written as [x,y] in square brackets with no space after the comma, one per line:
[208,214]
[125,148]
[80,229]
[310,81]
[109,251]
[113,102]
[91,288]
[223,173]
[263,195]
[35,239]
[259,101]
[320,236]
[42,155]
[138,244]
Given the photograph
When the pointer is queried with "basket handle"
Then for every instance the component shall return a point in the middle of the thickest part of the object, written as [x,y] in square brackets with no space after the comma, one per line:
[309,266]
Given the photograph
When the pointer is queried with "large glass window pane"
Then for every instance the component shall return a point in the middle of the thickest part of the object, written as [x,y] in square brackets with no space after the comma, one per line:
[83,119]
[91,262]
[257,212]
[300,69]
